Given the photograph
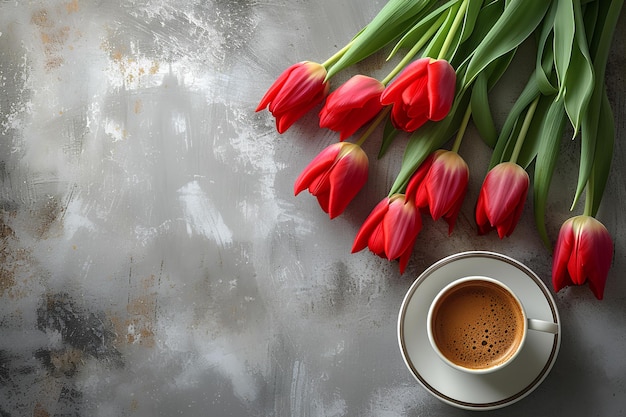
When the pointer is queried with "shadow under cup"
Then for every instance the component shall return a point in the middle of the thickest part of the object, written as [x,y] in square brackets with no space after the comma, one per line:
[477,325]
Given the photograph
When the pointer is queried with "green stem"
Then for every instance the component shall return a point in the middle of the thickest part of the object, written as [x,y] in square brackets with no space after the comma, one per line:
[381,116]
[337,56]
[458,19]
[414,50]
[524,130]
[462,128]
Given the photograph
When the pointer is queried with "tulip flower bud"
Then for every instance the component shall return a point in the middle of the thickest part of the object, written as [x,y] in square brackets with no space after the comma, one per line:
[502,198]
[352,105]
[391,229]
[296,91]
[583,251]
[439,186]
[335,176]
[423,91]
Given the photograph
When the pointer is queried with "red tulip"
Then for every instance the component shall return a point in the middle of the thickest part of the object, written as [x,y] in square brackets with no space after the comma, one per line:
[423,91]
[439,186]
[584,250]
[335,176]
[298,89]
[501,200]
[390,230]
[352,105]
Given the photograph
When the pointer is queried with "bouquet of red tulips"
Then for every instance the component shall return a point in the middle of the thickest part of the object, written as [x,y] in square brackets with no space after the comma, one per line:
[454,53]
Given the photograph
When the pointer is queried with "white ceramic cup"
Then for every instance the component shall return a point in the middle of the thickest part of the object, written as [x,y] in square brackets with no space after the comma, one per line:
[478,325]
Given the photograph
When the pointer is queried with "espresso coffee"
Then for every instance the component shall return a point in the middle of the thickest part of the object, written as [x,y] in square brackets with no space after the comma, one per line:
[477,325]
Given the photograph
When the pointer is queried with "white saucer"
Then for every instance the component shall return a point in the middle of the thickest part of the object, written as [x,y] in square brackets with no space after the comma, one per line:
[478,392]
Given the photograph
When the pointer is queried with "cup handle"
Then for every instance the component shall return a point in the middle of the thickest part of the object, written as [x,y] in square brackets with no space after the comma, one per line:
[543,326]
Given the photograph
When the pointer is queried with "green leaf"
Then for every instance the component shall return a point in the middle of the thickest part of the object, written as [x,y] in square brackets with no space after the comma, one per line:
[393,20]
[434,47]
[564,29]
[589,129]
[511,125]
[544,64]
[592,17]
[497,68]
[481,111]
[389,134]
[578,82]
[608,15]
[519,19]
[590,20]
[578,87]
[604,153]
[544,70]
[486,19]
[535,132]
[551,134]
[422,27]
[471,17]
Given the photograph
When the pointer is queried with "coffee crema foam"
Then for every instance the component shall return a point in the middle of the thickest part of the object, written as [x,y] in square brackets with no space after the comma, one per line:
[477,325]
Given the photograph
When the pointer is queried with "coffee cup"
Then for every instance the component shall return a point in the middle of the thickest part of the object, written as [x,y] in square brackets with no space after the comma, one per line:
[478,325]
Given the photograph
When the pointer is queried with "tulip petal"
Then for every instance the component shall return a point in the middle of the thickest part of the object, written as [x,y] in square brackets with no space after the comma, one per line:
[415,98]
[446,185]
[335,176]
[562,251]
[594,253]
[505,194]
[423,91]
[356,91]
[439,186]
[323,199]
[482,221]
[599,270]
[320,164]
[583,253]
[406,256]
[303,84]
[399,117]
[417,179]
[285,120]
[441,88]
[376,241]
[355,119]
[371,222]
[502,198]
[347,177]
[453,214]
[415,70]
[352,105]
[296,91]
[275,88]
[415,123]
[400,225]
[391,229]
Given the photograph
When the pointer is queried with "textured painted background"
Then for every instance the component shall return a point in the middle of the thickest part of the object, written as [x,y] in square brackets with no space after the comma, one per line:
[153,259]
